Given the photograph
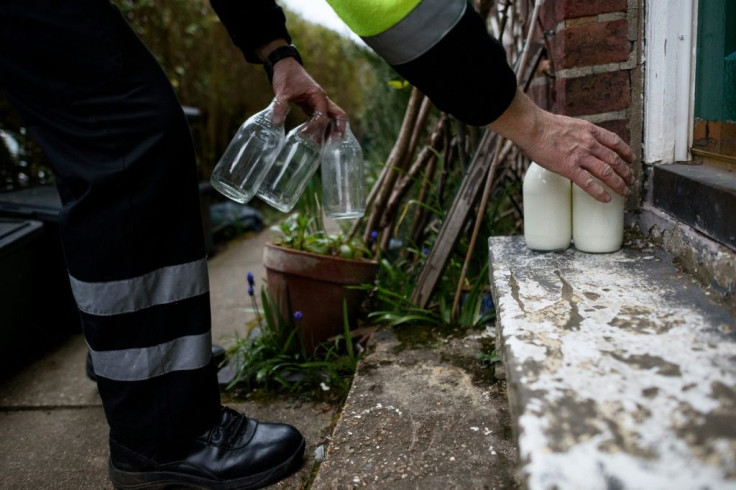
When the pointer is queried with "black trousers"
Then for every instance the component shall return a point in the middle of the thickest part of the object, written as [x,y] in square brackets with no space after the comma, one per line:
[109,122]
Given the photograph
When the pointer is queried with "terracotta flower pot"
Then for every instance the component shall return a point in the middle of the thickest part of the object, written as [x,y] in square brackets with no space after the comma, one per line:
[315,285]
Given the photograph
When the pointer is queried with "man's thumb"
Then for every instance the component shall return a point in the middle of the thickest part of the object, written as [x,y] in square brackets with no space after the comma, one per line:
[280,111]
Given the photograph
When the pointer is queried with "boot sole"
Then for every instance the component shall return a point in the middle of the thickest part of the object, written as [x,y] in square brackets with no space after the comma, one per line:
[126,480]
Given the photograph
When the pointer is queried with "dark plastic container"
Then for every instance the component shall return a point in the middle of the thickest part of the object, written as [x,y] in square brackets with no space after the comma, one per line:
[19,242]
[55,310]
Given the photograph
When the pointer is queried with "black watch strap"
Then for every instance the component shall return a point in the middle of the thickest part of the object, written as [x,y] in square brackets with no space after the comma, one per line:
[279,54]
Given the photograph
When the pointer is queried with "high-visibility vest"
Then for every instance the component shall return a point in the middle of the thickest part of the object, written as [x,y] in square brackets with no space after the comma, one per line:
[400,30]
[442,47]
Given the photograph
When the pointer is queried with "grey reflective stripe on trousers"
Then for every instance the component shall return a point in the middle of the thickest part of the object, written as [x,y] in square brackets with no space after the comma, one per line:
[418,32]
[137,364]
[162,286]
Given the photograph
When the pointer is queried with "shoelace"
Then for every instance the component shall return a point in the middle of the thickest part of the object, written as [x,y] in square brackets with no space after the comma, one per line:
[233,424]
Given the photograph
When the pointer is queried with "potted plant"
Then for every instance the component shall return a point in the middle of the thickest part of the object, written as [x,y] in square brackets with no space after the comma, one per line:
[313,272]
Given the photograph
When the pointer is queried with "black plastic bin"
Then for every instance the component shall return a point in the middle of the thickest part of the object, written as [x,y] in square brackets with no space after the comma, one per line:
[54,309]
[19,242]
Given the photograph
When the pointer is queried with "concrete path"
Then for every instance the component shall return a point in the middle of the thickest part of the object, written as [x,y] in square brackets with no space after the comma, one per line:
[53,433]
[232,309]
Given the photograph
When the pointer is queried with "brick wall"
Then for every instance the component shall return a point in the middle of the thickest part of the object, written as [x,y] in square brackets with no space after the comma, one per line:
[592,70]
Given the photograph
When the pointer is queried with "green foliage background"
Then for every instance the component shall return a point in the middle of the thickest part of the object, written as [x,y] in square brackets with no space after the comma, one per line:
[209,73]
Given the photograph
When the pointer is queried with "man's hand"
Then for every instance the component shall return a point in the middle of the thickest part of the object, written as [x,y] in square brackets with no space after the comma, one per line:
[292,83]
[573,148]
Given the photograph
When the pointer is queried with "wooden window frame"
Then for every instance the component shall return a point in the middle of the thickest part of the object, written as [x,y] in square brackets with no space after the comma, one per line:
[702,197]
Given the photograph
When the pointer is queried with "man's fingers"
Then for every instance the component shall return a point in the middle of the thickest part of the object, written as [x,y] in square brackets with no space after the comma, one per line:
[616,160]
[612,141]
[605,173]
[335,111]
[586,182]
[610,168]
[280,110]
[318,102]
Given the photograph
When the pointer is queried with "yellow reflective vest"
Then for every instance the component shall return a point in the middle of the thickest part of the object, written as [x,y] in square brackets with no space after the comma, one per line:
[368,18]
[400,30]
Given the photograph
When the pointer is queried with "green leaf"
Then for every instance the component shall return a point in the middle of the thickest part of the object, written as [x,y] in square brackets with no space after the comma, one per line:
[346,329]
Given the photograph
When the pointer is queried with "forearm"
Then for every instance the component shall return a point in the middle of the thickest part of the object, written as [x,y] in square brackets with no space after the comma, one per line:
[522,122]
[264,50]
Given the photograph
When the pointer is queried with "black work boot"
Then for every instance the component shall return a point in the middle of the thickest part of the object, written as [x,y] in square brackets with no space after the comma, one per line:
[236,453]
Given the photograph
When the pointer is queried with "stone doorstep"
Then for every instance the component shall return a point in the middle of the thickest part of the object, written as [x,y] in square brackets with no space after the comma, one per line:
[621,370]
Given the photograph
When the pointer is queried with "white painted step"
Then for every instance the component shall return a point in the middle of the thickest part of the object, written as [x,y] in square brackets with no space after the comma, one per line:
[621,370]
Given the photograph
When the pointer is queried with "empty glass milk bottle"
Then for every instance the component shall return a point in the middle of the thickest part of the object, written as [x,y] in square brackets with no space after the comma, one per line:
[343,184]
[250,154]
[295,164]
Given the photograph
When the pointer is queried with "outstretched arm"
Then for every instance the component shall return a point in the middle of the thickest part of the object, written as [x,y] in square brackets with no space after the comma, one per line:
[455,62]
[573,148]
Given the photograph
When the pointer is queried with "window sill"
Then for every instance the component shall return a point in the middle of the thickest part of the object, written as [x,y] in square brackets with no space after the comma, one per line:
[700,196]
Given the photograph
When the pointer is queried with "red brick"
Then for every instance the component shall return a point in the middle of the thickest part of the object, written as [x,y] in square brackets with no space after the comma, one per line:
[593,94]
[553,12]
[591,44]
[620,127]
[581,8]
[540,92]
[550,14]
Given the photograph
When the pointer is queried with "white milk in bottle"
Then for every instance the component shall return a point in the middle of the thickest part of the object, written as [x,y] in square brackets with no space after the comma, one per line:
[597,227]
[547,210]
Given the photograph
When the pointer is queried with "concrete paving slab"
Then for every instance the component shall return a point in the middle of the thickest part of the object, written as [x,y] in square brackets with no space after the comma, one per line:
[621,369]
[421,418]
[66,448]
[232,308]
[56,380]
[54,449]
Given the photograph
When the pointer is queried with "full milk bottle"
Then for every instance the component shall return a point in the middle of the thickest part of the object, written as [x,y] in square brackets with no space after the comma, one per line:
[547,209]
[597,227]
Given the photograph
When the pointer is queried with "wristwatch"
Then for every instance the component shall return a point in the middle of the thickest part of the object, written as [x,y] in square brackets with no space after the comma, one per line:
[279,54]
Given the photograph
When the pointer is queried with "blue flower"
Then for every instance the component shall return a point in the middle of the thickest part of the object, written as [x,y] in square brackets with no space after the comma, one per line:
[425,251]
[250,291]
[298,316]
[374,235]
[486,304]
[251,279]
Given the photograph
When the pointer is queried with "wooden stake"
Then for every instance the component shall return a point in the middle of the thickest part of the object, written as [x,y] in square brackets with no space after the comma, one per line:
[406,182]
[451,226]
[489,180]
[395,159]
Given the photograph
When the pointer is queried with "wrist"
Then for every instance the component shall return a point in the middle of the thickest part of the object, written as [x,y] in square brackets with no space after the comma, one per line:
[522,122]
[279,54]
[263,51]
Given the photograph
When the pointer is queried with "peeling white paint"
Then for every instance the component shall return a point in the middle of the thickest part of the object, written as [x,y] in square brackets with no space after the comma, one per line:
[668,80]
[616,367]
